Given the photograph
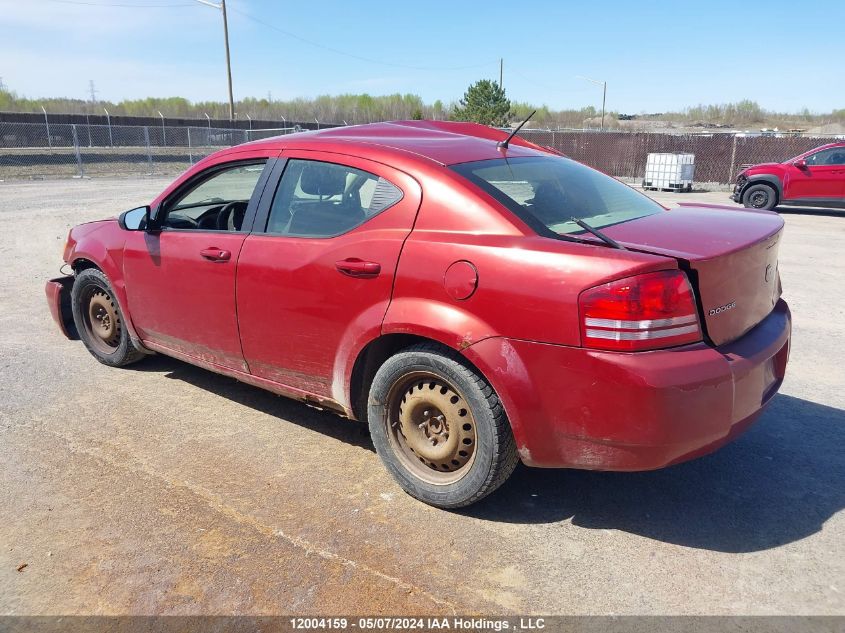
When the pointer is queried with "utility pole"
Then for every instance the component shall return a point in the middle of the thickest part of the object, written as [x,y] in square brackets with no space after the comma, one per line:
[222,7]
[603,84]
[228,61]
[501,69]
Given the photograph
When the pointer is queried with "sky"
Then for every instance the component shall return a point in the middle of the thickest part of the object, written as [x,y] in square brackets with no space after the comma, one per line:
[655,56]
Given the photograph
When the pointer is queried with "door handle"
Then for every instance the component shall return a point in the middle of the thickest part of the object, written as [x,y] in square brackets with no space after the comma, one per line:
[355,267]
[215,254]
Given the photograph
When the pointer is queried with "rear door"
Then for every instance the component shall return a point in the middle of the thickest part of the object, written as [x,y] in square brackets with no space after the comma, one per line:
[316,276]
[823,178]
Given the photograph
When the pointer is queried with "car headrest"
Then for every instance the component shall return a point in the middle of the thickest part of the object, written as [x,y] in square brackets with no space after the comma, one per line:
[322,180]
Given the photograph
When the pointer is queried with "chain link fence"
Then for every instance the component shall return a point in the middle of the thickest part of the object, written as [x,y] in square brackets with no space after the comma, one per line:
[35,151]
[719,156]
[48,150]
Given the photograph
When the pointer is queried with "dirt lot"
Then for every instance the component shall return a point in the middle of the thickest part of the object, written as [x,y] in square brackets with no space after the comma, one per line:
[168,489]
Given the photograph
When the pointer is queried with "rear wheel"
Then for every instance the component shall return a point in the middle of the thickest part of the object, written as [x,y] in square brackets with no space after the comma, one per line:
[99,320]
[760,197]
[439,427]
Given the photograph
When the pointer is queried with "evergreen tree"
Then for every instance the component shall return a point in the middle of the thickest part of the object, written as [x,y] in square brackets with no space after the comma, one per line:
[484,102]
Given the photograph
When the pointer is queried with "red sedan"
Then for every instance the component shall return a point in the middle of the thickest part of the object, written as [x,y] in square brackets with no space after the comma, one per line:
[476,302]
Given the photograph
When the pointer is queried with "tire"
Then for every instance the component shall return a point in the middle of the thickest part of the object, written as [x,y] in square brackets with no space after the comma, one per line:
[760,197]
[439,428]
[99,320]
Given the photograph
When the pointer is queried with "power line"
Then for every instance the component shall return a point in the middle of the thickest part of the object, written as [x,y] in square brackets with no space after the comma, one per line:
[353,55]
[123,5]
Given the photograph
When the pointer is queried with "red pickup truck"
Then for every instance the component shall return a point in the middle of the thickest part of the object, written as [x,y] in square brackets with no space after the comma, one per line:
[812,179]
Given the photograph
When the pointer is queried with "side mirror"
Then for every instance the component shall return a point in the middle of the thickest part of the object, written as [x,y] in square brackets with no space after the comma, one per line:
[800,163]
[135,219]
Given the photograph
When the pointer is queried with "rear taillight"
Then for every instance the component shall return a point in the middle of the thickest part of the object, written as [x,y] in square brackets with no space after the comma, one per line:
[643,312]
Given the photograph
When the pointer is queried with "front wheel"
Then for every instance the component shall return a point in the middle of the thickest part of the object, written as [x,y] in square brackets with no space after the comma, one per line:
[439,428]
[760,197]
[99,320]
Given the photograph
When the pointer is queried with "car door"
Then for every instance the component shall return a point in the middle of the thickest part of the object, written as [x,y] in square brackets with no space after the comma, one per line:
[837,161]
[315,277]
[180,279]
[822,178]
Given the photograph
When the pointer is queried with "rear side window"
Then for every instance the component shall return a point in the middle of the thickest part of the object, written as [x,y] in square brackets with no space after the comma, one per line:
[547,192]
[319,199]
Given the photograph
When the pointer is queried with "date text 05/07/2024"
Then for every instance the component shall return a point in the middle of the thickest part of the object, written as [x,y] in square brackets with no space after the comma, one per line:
[418,623]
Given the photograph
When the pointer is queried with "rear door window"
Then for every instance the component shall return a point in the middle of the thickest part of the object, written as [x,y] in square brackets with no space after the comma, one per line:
[320,199]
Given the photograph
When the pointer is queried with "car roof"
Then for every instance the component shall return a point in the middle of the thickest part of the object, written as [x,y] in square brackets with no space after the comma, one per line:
[828,146]
[444,142]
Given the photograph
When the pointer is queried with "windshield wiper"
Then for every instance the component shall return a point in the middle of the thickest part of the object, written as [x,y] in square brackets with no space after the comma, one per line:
[604,238]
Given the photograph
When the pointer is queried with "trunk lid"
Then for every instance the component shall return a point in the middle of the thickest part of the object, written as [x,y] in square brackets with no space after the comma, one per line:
[731,257]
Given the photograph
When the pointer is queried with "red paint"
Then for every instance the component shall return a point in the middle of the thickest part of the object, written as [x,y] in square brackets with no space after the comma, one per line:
[57,291]
[460,280]
[635,411]
[449,263]
[729,251]
[802,180]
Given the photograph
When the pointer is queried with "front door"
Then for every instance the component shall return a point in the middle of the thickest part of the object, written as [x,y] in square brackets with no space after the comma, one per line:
[180,282]
[318,280]
[823,177]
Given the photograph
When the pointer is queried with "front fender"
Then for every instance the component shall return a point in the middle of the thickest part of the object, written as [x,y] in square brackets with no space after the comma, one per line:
[771,179]
[103,248]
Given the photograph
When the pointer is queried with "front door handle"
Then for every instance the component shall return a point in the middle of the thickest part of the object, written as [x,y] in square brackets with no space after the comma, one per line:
[355,267]
[216,254]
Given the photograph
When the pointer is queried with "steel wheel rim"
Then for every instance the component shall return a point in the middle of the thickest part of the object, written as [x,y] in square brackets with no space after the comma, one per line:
[431,428]
[101,320]
[759,199]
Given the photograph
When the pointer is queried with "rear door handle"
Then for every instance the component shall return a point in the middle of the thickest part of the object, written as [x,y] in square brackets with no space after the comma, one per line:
[216,254]
[355,267]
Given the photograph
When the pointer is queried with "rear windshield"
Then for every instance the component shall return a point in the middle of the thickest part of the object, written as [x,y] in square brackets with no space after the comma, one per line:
[546,192]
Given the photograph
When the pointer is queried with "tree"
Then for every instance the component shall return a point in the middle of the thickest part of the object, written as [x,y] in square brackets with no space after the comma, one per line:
[484,102]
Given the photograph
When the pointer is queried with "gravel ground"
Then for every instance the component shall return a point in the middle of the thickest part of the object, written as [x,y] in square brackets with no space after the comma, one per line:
[168,489]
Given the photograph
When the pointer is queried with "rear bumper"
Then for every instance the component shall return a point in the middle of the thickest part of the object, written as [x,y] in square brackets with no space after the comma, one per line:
[58,299]
[579,408]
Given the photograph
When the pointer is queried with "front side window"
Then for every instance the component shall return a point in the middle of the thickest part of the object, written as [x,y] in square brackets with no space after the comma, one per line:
[319,199]
[215,203]
[832,156]
[547,192]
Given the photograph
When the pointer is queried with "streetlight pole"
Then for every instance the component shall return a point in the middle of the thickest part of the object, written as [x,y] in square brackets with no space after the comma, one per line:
[47,123]
[108,121]
[222,7]
[163,133]
[603,84]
